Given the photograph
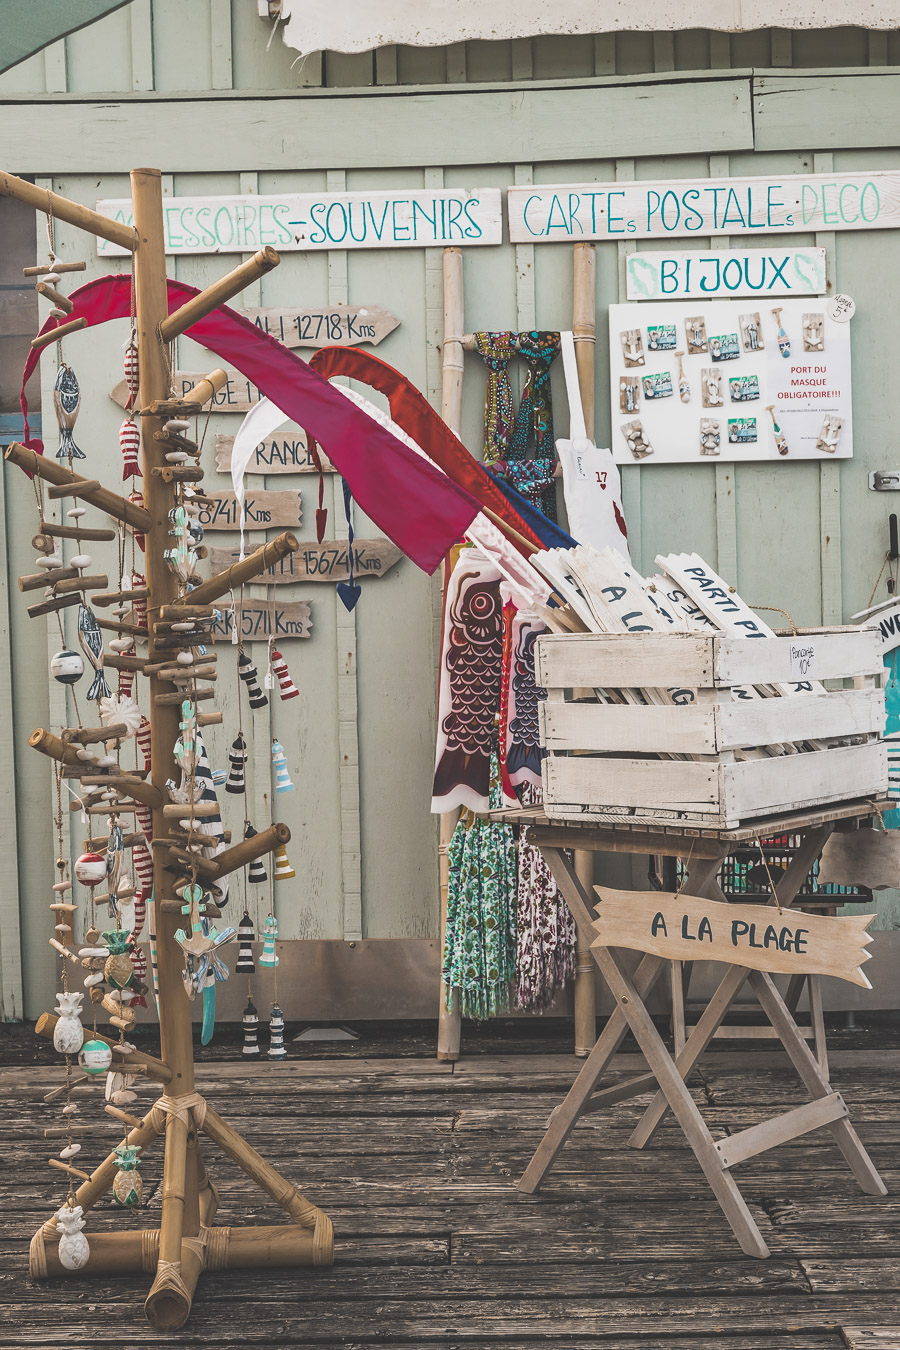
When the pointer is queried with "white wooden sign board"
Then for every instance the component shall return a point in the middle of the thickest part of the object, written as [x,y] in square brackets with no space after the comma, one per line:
[803,388]
[263,510]
[313,221]
[689,928]
[886,618]
[679,208]
[719,274]
[286,451]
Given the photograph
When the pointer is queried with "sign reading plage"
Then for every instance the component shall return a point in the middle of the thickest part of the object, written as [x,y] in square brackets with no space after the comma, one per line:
[313,221]
[688,928]
[568,212]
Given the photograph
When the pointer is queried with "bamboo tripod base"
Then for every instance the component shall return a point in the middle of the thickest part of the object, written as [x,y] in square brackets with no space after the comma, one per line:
[187,1243]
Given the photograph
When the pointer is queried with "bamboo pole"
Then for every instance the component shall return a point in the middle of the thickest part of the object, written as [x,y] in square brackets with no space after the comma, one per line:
[281,1191]
[61,330]
[239,572]
[48,744]
[449,1020]
[72,212]
[584,331]
[101,497]
[154,1068]
[168,1303]
[248,850]
[209,299]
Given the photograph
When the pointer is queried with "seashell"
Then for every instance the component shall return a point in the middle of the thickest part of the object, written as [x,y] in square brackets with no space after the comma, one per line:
[70,1110]
[85,952]
[62,886]
[49,562]
[177,456]
[81,561]
[185,658]
[91,980]
[70,1150]
[76,512]
[122,644]
[186,627]
[106,761]
[86,755]
[51,278]
[125,1048]
[177,424]
[123,1098]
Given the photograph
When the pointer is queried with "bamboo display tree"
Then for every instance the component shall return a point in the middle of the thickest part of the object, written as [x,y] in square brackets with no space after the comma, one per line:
[186,1242]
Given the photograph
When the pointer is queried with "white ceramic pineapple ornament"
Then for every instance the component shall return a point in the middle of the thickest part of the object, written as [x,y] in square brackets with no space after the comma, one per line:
[73,1245]
[68,1034]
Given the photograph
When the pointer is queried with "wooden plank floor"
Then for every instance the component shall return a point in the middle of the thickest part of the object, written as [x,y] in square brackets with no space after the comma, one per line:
[416,1163]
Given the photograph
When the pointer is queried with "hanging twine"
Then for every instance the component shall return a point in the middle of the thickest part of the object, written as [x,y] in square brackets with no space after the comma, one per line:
[772,887]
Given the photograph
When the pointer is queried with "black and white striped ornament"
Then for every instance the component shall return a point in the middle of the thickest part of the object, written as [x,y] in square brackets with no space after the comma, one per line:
[245,963]
[276,1034]
[256,872]
[250,1023]
[247,672]
[237,757]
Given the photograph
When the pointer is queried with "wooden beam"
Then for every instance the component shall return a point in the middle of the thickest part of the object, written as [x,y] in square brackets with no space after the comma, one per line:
[154,1068]
[71,212]
[101,497]
[265,260]
[51,745]
[240,572]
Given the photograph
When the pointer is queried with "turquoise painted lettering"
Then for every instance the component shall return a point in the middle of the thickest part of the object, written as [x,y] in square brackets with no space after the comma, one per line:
[473,229]
[670,212]
[398,225]
[318,235]
[692,210]
[223,219]
[454,211]
[173,221]
[378,226]
[528,225]
[716,274]
[778,272]
[574,205]
[336,234]
[668,276]
[190,238]
[751,223]
[829,217]
[206,234]
[614,224]
[844,212]
[282,225]
[738,217]
[556,207]
[419,210]
[870,192]
[652,210]
[809,202]
[772,205]
[752,285]
[736,275]
[359,209]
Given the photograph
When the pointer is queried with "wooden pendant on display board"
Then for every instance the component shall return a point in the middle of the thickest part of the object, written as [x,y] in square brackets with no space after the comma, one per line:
[262,509]
[285,451]
[861,858]
[689,928]
[328,561]
[258,620]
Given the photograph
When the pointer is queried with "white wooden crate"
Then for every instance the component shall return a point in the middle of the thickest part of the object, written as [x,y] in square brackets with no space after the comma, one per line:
[603,760]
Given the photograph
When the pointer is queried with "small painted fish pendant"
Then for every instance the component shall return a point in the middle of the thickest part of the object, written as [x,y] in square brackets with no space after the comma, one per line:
[67,402]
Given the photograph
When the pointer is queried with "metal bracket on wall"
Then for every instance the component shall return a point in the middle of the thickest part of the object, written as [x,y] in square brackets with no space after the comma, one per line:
[884,480]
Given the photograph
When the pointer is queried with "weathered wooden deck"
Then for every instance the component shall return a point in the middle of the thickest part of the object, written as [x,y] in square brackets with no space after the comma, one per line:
[416,1164]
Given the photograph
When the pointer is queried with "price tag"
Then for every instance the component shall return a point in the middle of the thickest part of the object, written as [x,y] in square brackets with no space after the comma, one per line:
[803,660]
[841,308]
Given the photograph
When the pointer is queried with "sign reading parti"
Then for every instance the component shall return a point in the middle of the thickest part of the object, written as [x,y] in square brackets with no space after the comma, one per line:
[705,206]
[304,221]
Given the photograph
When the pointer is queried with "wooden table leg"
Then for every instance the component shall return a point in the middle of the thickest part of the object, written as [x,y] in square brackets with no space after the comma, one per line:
[680,1100]
[711,1019]
[817,1084]
[574,1104]
[817,1017]
[676,982]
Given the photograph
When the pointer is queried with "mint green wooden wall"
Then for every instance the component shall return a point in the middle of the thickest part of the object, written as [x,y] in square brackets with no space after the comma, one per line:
[187,85]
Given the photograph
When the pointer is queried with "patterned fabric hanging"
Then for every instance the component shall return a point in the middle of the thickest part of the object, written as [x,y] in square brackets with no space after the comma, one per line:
[545,949]
[469,696]
[479,960]
[521,732]
[497,350]
[534,425]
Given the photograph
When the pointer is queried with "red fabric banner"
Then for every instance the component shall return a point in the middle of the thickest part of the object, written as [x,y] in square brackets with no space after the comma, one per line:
[420,509]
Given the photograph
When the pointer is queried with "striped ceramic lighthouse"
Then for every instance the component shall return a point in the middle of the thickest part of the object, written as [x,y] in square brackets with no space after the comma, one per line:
[250,1023]
[247,672]
[256,872]
[245,963]
[276,1034]
[285,683]
[269,956]
[237,757]
[283,869]
[279,764]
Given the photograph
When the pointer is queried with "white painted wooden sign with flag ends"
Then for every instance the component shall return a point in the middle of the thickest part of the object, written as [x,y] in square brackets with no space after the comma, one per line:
[689,928]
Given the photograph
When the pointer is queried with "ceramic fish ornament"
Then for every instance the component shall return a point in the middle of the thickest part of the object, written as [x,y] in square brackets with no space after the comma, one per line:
[73,1247]
[130,444]
[132,374]
[67,401]
[91,641]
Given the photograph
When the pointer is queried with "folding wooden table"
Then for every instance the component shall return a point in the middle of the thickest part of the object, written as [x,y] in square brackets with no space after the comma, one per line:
[704,851]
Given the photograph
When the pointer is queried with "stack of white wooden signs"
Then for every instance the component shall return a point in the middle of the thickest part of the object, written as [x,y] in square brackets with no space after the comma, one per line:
[675,701]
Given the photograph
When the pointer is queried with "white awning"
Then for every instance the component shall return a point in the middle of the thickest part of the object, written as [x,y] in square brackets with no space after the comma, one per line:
[359,25]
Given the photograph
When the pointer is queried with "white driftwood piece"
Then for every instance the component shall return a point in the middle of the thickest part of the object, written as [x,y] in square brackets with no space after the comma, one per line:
[862,858]
[689,928]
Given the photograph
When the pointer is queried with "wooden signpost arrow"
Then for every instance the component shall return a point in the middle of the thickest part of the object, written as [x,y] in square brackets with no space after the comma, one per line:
[237,395]
[257,621]
[262,509]
[688,928]
[327,326]
[284,452]
[328,561]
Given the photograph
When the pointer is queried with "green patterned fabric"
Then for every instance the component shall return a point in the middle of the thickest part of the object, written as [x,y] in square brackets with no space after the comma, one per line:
[479,963]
